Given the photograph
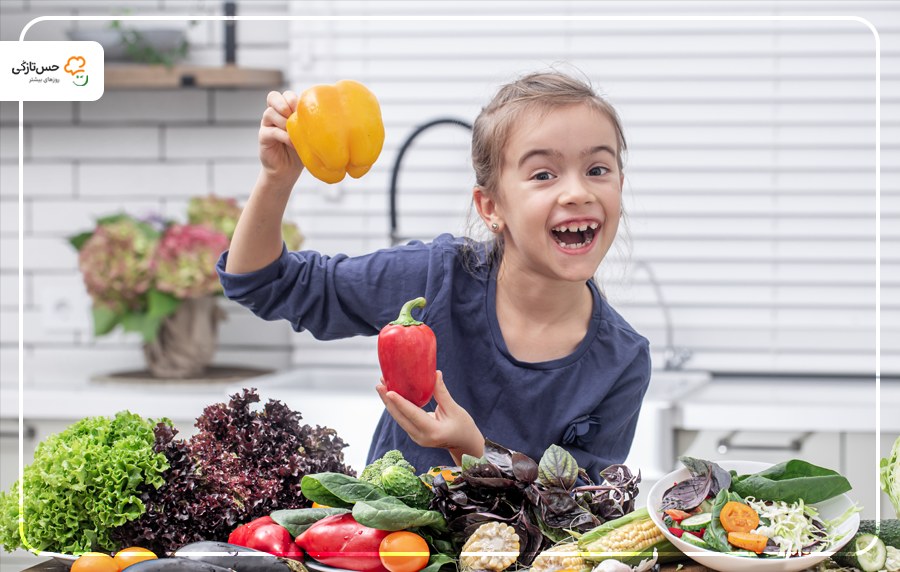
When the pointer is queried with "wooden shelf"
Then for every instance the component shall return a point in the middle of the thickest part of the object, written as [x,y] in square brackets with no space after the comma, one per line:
[161,77]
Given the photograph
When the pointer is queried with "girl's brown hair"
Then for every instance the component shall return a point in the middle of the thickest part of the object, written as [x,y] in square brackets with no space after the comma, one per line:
[541,92]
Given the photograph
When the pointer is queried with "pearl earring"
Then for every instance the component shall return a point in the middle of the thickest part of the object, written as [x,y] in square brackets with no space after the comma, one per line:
[495,227]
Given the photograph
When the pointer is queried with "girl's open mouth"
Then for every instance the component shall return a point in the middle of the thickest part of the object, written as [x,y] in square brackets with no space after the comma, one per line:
[574,235]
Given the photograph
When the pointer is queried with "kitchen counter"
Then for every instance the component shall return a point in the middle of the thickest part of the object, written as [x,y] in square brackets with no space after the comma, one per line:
[805,403]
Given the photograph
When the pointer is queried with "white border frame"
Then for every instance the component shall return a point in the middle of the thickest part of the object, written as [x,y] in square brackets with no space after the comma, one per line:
[543,18]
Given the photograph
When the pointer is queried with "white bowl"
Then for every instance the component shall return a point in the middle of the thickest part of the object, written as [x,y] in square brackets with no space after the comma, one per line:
[832,508]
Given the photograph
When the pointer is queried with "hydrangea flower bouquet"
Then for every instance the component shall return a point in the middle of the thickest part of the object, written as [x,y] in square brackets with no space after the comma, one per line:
[143,273]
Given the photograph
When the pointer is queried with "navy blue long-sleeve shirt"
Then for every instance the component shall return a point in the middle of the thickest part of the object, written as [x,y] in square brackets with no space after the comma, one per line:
[587,402]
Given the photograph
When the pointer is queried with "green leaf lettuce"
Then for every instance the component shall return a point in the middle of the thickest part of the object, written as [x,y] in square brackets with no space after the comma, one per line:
[83,482]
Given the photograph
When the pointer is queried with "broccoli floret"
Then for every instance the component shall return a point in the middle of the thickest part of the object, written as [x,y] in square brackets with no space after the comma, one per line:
[400,482]
[397,477]
[373,472]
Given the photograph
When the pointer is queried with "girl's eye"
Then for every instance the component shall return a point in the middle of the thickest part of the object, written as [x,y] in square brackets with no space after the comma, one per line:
[598,171]
[542,176]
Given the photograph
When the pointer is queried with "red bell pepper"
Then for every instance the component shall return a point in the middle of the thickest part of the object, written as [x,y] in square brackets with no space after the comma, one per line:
[340,541]
[266,535]
[407,353]
[676,531]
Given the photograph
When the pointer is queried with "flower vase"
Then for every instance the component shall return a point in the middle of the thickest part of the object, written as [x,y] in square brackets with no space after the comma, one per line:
[186,341]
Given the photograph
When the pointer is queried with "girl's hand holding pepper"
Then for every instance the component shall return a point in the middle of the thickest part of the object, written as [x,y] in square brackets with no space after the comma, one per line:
[449,426]
[280,161]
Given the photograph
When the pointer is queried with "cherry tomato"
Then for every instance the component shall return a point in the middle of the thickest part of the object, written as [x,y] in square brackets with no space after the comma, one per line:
[95,562]
[403,551]
[132,555]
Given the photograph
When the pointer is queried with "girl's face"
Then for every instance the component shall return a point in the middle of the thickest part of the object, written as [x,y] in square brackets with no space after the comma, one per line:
[559,196]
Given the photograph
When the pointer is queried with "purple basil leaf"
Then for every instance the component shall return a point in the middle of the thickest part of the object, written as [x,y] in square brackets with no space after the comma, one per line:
[687,494]
[558,468]
[524,469]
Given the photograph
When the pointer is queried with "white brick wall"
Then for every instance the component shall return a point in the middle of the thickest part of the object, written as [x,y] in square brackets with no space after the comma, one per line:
[690,191]
[140,151]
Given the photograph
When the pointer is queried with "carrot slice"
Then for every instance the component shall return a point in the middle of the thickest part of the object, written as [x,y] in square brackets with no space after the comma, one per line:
[677,515]
[748,541]
[738,517]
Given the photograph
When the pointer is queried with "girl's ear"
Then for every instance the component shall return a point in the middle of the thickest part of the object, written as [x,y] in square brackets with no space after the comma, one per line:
[485,205]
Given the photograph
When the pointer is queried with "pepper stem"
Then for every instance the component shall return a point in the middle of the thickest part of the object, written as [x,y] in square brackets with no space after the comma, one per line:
[405,318]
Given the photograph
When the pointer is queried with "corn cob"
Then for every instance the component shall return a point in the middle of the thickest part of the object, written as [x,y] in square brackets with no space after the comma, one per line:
[493,546]
[562,557]
[629,539]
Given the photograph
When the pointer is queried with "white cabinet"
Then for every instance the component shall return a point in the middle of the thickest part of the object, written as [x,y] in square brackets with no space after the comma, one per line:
[851,454]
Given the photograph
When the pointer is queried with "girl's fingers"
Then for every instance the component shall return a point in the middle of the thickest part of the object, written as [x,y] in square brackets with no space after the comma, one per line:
[279,102]
[271,117]
[269,134]
[292,99]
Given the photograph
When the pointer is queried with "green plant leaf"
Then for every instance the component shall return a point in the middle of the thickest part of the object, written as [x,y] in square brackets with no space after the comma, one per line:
[338,490]
[112,218]
[78,240]
[791,481]
[390,513]
[161,304]
[144,324]
[105,320]
[436,561]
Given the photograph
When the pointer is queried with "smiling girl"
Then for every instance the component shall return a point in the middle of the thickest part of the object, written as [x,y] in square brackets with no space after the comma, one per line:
[532,353]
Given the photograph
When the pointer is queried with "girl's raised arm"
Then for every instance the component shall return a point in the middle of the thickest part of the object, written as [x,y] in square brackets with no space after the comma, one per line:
[257,237]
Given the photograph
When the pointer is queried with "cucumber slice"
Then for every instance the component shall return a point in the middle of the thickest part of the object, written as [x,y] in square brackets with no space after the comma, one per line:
[694,540]
[870,552]
[697,521]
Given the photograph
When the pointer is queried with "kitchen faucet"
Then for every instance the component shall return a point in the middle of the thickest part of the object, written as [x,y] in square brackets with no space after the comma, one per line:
[674,357]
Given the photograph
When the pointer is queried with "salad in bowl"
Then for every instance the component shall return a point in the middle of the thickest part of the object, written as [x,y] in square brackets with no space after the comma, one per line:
[745,515]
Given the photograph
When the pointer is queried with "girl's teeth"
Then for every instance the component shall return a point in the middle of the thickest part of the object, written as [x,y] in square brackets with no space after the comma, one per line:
[587,241]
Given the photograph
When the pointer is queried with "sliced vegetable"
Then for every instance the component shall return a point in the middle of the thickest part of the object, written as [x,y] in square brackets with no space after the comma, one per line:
[890,476]
[795,527]
[677,515]
[695,540]
[748,541]
[738,517]
[868,553]
[697,522]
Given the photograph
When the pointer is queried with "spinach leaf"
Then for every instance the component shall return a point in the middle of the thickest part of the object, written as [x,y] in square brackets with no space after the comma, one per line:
[389,513]
[791,481]
[338,490]
[716,536]
[437,561]
[299,519]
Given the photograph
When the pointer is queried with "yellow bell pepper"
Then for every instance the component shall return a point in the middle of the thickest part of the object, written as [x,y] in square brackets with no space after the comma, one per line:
[336,130]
